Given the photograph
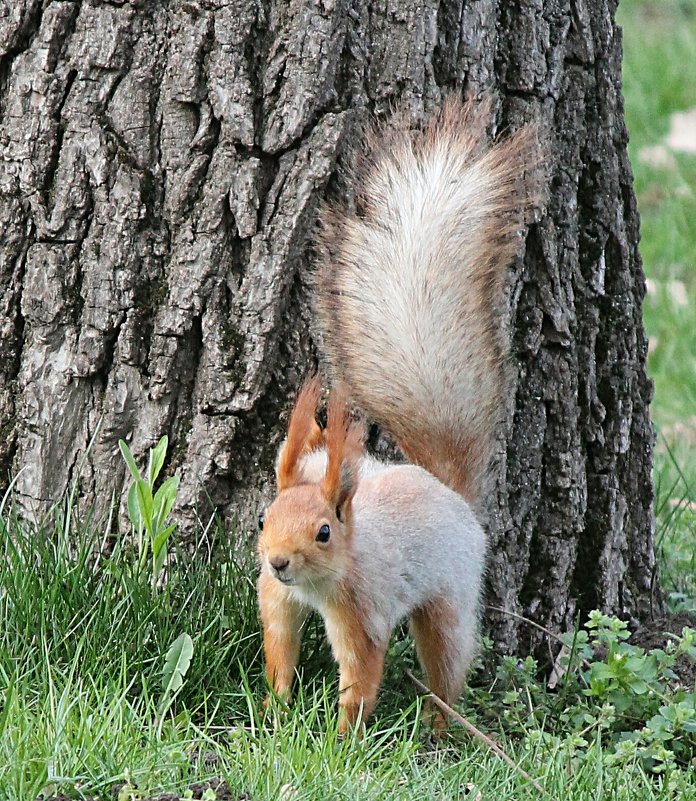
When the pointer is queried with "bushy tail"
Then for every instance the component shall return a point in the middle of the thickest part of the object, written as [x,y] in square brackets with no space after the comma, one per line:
[409,288]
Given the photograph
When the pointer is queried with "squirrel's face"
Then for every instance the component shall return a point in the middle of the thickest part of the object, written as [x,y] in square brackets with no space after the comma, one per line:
[304,541]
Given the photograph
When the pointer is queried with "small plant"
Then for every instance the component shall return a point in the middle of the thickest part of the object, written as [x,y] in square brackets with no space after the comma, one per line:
[176,665]
[652,710]
[128,792]
[148,512]
[625,697]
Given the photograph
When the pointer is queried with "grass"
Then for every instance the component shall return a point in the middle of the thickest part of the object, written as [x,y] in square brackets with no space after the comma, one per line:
[659,81]
[82,647]
[83,638]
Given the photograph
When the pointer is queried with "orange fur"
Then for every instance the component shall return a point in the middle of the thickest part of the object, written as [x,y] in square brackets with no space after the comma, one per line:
[315,439]
[431,628]
[409,292]
[360,661]
[302,429]
[292,521]
[282,620]
[344,445]
[412,279]
[309,506]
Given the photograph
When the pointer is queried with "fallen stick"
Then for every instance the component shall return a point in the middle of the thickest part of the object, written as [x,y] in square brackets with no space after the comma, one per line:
[477,733]
[526,620]
[536,625]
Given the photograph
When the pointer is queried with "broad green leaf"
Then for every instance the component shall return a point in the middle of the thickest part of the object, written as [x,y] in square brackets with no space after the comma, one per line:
[129,460]
[157,455]
[176,664]
[133,510]
[145,503]
[164,500]
[638,686]
[161,538]
[600,671]
[637,664]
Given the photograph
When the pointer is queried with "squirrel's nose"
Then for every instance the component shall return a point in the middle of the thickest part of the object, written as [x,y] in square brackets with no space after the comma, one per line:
[279,563]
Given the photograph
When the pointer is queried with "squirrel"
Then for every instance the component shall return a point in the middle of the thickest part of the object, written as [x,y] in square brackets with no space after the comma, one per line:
[409,291]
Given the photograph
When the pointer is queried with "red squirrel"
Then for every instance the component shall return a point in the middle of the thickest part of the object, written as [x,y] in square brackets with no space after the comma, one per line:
[409,291]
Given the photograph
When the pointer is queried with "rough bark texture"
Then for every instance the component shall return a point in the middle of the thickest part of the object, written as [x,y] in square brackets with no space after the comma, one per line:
[161,167]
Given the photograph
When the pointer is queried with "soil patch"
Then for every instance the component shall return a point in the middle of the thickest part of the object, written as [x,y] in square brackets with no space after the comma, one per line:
[655,634]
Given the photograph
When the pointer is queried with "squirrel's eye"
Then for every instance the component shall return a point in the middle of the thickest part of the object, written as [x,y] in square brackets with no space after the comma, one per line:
[262,517]
[323,534]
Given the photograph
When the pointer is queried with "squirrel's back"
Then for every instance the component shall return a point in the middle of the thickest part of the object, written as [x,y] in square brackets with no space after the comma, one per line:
[440,550]
[412,539]
[410,285]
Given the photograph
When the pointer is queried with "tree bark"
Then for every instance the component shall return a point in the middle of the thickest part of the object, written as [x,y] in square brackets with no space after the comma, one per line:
[161,169]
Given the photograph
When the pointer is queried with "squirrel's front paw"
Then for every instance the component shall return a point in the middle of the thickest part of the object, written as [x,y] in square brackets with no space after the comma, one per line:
[350,719]
[275,709]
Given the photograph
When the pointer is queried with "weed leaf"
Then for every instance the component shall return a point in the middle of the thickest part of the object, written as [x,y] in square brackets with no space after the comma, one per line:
[144,495]
[160,540]
[176,664]
[133,510]
[129,460]
[157,455]
[164,499]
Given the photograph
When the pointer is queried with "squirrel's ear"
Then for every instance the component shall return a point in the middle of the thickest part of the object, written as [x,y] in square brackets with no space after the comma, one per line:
[303,433]
[346,489]
[315,439]
[344,443]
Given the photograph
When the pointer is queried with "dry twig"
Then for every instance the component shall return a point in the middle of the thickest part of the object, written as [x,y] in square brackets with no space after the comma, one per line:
[477,733]
[536,625]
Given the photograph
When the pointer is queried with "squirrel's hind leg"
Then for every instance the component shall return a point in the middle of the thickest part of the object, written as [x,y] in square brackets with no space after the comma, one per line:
[445,638]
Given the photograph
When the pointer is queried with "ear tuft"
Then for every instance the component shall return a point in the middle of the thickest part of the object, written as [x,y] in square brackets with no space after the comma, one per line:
[348,483]
[344,443]
[304,434]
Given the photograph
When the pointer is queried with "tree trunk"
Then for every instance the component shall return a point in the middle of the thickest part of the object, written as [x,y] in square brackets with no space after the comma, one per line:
[161,168]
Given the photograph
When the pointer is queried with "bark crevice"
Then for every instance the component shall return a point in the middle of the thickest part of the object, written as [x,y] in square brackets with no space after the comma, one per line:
[160,174]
